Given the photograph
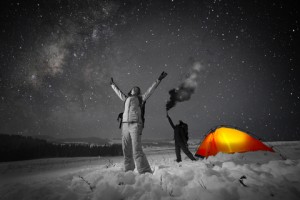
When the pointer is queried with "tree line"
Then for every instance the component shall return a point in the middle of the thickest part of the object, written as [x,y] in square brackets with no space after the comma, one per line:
[17,147]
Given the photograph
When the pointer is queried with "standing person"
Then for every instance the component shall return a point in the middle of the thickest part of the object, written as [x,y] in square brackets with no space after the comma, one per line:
[181,138]
[132,125]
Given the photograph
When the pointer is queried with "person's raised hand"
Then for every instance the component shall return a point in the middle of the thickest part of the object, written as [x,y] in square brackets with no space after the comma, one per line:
[162,76]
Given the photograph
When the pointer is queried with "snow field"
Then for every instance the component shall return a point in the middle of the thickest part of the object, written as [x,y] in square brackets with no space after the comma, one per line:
[266,176]
[203,179]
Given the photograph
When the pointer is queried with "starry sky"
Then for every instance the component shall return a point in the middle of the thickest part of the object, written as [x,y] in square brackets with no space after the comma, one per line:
[57,57]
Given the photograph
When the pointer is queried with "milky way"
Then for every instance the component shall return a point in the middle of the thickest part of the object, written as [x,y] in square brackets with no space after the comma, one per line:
[57,59]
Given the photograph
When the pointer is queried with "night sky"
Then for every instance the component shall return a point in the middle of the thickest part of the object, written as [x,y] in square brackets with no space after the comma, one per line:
[57,57]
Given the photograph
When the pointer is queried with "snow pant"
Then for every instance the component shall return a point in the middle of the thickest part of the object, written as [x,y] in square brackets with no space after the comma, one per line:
[132,148]
[180,145]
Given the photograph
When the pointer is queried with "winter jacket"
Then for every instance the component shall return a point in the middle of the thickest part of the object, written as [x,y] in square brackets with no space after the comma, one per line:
[132,109]
[180,132]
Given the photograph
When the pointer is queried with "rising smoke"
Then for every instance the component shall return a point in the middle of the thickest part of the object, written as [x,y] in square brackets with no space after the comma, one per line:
[186,88]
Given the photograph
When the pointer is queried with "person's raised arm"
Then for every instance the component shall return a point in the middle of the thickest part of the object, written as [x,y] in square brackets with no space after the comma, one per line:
[151,89]
[120,94]
[170,121]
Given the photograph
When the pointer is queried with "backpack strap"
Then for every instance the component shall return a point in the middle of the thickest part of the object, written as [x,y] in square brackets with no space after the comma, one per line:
[120,116]
[142,106]
[120,119]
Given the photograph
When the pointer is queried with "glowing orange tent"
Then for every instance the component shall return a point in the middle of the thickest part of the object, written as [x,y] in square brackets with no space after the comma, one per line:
[229,140]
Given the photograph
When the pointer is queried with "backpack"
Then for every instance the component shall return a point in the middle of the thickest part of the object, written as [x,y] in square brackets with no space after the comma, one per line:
[142,106]
[185,132]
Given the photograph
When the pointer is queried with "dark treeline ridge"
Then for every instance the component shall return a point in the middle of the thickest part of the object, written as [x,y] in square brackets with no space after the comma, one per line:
[17,147]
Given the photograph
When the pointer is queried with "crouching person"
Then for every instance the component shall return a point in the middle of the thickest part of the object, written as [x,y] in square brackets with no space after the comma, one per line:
[132,126]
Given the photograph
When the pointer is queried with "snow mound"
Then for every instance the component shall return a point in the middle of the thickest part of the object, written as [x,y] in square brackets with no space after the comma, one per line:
[203,179]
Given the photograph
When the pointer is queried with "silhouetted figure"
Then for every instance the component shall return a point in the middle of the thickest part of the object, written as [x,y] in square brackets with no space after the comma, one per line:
[181,138]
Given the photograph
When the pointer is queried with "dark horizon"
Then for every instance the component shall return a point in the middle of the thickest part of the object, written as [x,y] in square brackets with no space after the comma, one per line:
[57,59]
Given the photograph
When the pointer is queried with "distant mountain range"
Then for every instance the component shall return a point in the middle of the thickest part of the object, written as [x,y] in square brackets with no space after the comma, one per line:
[103,141]
[85,140]
[20,147]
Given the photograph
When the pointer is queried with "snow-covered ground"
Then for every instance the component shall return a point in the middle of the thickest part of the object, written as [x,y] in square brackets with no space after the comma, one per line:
[253,175]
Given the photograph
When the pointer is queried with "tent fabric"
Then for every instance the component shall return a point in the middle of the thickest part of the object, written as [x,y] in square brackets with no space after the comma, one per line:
[229,140]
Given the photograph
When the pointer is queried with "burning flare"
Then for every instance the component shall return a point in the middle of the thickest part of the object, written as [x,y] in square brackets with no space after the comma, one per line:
[186,88]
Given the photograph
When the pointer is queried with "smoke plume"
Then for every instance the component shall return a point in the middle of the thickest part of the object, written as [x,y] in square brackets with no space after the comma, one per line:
[186,88]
